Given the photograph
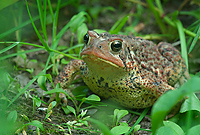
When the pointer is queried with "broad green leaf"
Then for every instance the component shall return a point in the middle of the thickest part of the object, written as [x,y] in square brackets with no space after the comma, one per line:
[82,30]
[191,103]
[120,114]
[36,123]
[93,98]
[177,129]
[54,91]
[165,130]
[80,91]
[42,82]
[4,80]
[161,107]
[118,130]
[194,130]
[66,110]
[53,104]
[77,20]
[104,129]
[12,116]
[50,78]
[37,101]
[115,116]
[137,127]
[85,122]
[72,110]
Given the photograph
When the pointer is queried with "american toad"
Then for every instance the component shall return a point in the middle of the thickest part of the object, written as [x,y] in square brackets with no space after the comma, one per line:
[129,70]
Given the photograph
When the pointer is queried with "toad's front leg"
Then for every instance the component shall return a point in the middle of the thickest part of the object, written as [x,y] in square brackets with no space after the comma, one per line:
[66,76]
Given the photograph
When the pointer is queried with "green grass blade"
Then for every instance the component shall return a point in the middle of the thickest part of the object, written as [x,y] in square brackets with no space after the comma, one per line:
[55,22]
[53,45]
[159,5]
[118,25]
[33,50]
[9,47]
[194,40]
[37,32]
[170,22]
[29,84]
[19,53]
[50,9]
[138,120]
[183,41]
[157,16]
[18,27]
[42,16]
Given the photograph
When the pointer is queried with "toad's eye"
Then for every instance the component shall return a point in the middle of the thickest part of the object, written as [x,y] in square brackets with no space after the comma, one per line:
[86,38]
[116,46]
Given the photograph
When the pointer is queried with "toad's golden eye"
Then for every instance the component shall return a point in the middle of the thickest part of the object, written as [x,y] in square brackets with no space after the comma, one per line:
[116,46]
[86,38]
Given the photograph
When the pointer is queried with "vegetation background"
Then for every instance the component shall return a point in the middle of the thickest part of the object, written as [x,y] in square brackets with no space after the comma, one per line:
[37,38]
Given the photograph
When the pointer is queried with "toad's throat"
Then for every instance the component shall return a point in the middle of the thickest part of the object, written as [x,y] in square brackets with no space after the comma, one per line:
[93,58]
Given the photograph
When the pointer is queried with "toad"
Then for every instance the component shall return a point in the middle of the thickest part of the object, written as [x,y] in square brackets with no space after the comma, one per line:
[129,70]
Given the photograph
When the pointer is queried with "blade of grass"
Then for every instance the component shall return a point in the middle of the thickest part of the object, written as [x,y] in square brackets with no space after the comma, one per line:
[53,45]
[42,17]
[138,120]
[19,53]
[118,25]
[29,84]
[157,16]
[37,32]
[64,29]
[28,51]
[19,18]
[55,22]
[183,41]
[73,47]
[9,47]
[50,9]
[18,27]
[159,5]
[170,22]
[195,40]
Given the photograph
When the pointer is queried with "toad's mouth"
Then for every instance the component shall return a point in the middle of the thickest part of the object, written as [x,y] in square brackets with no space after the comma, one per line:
[99,61]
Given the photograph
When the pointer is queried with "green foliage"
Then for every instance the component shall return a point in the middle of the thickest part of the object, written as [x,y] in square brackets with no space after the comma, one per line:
[36,102]
[50,107]
[35,123]
[161,107]
[12,116]
[87,16]
[6,3]
[118,25]
[118,114]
